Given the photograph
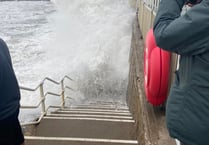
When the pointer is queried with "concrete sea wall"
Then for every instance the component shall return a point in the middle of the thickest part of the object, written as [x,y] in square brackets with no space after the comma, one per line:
[150,121]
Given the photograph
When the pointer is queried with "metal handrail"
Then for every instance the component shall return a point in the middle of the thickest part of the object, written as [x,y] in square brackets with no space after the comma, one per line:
[42,82]
[39,103]
[44,94]
[152,4]
[34,122]
[32,107]
[69,88]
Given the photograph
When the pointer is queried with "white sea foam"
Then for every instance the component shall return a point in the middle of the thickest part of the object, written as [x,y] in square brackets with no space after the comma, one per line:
[88,40]
[93,40]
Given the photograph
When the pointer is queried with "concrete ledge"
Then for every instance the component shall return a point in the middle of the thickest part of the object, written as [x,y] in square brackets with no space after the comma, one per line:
[150,121]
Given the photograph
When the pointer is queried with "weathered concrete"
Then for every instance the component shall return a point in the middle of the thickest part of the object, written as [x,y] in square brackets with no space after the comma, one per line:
[63,142]
[150,121]
[84,126]
[85,129]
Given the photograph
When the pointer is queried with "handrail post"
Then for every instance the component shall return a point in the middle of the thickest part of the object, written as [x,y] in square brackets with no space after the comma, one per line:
[63,93]
[42,99]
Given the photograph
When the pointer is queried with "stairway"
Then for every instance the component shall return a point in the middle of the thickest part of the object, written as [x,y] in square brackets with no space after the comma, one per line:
[97,123]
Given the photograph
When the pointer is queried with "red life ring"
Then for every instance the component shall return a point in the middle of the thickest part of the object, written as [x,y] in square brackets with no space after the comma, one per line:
[156,71]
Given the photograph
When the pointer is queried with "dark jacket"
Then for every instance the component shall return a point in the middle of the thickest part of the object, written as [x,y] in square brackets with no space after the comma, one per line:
[9,89]
[187,113]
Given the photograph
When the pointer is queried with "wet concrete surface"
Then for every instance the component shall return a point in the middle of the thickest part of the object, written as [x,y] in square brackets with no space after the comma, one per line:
[151,127]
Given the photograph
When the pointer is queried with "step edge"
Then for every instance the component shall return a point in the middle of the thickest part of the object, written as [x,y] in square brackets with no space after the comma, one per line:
[94,112]
[81,139]
[93,119]
[92,109]
[100,107]
[99,116]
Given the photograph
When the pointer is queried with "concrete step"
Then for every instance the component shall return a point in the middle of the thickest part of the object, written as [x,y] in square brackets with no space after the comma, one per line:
[54,127]
[94,119]
[32,140]
[92,112]
[99,105]
[108,103]
[90,116]
[112,107]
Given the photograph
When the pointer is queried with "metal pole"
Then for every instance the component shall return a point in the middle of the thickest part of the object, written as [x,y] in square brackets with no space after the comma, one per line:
[42,99]
[63,93]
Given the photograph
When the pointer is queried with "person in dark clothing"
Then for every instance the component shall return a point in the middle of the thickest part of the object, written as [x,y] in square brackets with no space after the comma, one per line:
[10,129]
[187,109]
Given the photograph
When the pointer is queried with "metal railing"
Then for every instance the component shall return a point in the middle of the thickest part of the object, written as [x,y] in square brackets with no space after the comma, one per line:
[152,4]
[43,96]
[147,10]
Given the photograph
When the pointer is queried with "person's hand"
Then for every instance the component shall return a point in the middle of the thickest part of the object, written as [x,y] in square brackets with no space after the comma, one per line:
[23,144]
[191,3]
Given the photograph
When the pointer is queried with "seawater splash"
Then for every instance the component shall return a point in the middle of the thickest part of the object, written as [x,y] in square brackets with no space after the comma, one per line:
[26,27]
[93,40]
[88,40]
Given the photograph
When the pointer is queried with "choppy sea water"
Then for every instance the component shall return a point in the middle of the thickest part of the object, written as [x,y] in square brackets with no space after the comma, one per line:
[87,40]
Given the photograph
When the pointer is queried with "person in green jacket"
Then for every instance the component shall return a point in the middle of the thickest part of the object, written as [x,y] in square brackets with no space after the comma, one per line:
[187,109]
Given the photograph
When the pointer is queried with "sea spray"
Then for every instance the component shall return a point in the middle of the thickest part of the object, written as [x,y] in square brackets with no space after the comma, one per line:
[93,37]
[89,40]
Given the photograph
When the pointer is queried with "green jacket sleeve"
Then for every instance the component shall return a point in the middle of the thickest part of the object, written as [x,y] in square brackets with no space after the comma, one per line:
[186,34]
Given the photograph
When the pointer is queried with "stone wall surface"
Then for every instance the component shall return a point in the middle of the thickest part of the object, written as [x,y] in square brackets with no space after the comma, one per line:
[150,121]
